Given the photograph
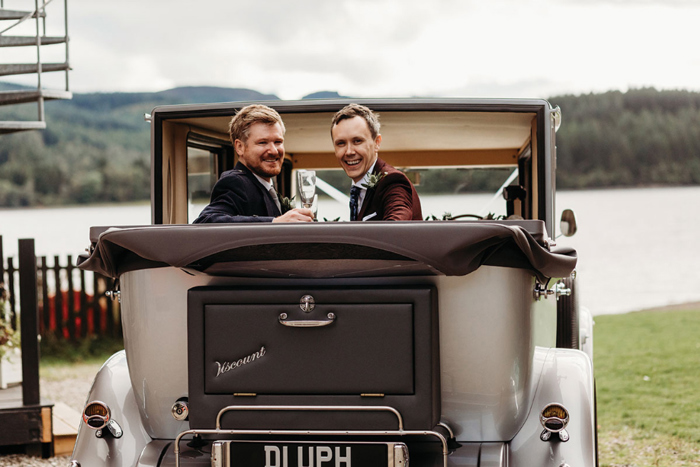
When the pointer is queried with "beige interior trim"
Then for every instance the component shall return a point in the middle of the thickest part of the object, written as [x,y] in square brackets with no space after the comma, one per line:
[401,131]
[174,172]
[535,181]
[525,145]
[211,134]
[417,159]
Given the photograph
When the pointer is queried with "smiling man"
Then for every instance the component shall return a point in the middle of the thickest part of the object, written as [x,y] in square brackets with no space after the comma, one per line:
[379,191]
[246,193]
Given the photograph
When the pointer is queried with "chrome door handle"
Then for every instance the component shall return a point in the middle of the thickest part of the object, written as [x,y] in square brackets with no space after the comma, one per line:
[306,323]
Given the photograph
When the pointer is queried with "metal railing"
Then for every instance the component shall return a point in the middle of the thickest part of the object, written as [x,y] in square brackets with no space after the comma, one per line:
[38,67]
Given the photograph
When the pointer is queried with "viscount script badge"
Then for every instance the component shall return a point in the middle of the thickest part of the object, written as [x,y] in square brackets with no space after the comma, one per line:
[228,366]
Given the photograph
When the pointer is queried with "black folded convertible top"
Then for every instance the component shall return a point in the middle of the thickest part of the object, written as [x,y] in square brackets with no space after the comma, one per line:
[329,250]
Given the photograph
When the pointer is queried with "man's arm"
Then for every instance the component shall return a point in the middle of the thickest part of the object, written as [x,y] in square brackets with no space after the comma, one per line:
[230,203]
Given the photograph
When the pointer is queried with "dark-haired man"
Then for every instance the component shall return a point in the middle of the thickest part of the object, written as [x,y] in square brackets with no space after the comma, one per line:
[379,191]
[246,193]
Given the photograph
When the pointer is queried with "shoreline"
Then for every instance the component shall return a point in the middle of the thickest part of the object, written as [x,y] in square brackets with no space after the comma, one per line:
[673,307]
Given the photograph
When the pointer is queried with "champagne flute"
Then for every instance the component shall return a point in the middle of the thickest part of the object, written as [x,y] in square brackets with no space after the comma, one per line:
[306,187]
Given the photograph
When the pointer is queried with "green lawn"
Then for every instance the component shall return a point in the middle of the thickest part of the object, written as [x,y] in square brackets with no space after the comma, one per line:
[647,367]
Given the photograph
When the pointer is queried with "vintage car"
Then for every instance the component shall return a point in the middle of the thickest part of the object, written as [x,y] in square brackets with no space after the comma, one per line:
[454,341]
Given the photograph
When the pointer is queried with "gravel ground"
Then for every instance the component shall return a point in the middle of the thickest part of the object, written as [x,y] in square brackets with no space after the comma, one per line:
[67,384]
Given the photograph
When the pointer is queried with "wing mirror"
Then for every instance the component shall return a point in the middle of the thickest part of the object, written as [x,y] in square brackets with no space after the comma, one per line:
[568,225]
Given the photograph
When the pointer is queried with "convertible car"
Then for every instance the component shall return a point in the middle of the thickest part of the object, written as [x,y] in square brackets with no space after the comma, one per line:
[453,341]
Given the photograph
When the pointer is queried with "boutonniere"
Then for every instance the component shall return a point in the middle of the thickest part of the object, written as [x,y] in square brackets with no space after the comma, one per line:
[373,179]
[286,204]
[445,217]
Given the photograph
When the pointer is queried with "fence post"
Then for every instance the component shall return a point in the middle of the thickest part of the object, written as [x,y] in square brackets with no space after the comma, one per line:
[96,310]
[72,334]
[58,298]
[29,322]
[11,290]
[109,307]
[45,308]
[83,306]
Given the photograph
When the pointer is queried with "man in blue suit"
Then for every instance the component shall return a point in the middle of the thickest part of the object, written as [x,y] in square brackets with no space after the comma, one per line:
[246,193]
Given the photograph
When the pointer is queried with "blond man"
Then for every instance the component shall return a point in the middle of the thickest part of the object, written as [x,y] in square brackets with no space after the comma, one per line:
[246,193]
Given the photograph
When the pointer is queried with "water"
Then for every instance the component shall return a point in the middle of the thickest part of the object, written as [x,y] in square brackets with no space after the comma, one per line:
[638,248]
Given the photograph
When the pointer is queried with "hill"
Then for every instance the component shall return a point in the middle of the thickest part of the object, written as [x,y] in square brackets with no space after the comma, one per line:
[638,138]
[96,147]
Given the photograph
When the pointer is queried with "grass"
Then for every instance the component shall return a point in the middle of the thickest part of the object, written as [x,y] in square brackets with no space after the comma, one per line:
[93,349]
[647,374]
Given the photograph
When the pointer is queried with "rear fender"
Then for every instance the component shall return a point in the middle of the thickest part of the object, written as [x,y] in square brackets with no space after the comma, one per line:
[567,379]
[112,386]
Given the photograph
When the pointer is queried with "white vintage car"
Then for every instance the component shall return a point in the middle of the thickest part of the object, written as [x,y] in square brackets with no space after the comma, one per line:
[445,342]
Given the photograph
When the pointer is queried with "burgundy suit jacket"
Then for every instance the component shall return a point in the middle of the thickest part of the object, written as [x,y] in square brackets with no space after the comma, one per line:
[393,199]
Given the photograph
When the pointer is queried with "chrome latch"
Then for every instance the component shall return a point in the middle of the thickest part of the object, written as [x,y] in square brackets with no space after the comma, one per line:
[542,292]
[307,303]
[115,293]
[560,290]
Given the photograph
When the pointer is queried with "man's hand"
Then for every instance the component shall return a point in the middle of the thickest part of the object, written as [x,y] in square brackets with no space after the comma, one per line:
[296,215]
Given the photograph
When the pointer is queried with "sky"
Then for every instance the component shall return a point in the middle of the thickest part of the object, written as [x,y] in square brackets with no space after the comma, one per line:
[376,48]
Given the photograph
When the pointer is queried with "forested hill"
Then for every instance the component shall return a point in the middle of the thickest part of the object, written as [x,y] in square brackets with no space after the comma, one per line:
[638,138]
[96,147]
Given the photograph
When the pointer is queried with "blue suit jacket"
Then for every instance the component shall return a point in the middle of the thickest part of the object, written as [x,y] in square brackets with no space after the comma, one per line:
[239,197]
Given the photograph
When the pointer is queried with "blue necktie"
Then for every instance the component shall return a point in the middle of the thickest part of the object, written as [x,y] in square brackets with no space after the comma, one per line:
[354,197]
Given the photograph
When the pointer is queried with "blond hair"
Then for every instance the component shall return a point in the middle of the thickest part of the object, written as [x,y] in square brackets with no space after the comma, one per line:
[240,124]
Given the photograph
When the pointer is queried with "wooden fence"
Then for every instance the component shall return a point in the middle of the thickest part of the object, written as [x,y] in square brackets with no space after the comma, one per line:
[71,302]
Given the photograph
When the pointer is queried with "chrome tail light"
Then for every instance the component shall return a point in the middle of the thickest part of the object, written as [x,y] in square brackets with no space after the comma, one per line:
[554,418]
[98,416]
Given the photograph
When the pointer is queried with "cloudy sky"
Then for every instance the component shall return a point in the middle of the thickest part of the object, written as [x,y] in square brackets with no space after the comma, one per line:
[381,48]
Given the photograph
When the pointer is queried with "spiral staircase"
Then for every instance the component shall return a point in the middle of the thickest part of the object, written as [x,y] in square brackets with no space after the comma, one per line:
[28,423]
[30,49]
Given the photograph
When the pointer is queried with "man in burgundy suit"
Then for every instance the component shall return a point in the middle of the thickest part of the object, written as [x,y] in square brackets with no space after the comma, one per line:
[379,192]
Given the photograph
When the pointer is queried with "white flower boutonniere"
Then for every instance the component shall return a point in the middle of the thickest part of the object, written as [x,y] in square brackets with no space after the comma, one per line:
[373,179]
[287,204]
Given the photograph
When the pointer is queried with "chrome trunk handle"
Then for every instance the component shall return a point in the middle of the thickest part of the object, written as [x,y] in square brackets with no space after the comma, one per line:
[306,323]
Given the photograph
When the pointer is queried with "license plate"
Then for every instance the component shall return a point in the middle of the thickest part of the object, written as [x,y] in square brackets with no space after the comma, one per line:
[283,454]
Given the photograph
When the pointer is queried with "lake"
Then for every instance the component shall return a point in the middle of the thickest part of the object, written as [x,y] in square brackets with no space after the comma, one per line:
[638,248]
